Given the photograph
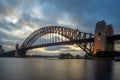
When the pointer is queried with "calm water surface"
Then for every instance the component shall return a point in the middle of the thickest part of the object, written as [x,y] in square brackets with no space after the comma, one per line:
[55,69]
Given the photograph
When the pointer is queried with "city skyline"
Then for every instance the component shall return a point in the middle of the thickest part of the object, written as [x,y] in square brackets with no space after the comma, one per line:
[19,18]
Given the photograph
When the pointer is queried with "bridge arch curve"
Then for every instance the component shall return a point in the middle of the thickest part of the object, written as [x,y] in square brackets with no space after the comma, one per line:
[69,33]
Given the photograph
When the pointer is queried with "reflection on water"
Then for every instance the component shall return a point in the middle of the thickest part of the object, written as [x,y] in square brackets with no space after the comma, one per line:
[103,70]
[55,69]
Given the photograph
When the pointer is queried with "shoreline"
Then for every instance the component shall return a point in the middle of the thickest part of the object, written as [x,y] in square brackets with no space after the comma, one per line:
[92,58]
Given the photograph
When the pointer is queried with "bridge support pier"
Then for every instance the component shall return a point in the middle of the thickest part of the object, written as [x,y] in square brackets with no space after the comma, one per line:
[100,41]
[16,50]
[22,53]
[19,53]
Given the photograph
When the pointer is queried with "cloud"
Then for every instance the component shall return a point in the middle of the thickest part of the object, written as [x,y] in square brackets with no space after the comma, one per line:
[88,13]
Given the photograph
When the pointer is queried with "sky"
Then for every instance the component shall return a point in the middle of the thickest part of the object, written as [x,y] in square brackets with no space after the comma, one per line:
[19,18]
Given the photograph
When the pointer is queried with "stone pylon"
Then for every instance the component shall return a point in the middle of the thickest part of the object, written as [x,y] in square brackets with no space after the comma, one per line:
[100,41]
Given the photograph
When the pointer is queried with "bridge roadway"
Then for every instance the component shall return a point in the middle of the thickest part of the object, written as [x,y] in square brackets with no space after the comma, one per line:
[114,37]
[87,40]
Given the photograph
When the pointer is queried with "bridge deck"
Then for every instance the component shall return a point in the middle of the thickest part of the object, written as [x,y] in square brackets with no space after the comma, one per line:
[114,37]
[61,43]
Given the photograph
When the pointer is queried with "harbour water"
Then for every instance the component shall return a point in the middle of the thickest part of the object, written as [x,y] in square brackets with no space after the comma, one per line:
[58,69]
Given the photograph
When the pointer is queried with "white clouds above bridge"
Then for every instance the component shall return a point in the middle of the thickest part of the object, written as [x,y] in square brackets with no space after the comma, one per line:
[19,18]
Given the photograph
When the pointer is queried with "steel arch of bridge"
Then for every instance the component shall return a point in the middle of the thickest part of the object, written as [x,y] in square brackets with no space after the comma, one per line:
[69,33]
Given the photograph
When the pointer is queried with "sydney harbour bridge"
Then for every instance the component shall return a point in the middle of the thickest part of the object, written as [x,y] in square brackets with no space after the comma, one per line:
[102,40]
